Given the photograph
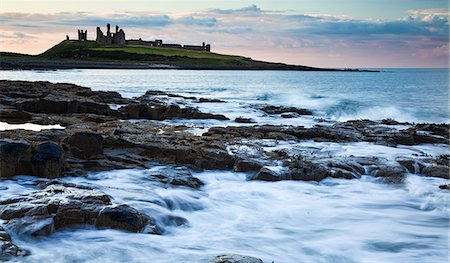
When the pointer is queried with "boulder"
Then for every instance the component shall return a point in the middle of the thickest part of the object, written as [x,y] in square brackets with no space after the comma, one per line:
[178,176]
[444,186]
[244,120]
[441,171]
[86,145]
[234,258]
[58,206]
[265,174]
[125,218]
[8,250]
[270,109]
[303,170]
[391,174]
[14,158]
[412,166]
[47,160]
[289,115]
[246,166]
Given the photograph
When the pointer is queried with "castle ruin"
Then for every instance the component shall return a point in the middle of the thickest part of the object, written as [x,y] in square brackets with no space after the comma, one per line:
[118,38]
[82,35]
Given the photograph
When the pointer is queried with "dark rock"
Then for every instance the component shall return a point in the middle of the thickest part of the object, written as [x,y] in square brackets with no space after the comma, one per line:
[343,174]
[178,176]
[412,166]
[14,116]
[57,207]
[307,171]
[8,250]
[244,120]
[289,115]
[162,111]
[14,158]
[265,174]
[390,122]
[47,160]
[445,187]
[126,218]
[392,174]
[246,166]
[280,109]
[234,258]
[201,100]
[440,171]
[86,145]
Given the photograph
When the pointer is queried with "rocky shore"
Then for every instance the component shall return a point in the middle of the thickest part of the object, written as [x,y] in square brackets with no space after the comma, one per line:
[104,131]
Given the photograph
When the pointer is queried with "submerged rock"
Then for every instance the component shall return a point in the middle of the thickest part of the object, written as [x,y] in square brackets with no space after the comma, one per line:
[57,207]
[234,258]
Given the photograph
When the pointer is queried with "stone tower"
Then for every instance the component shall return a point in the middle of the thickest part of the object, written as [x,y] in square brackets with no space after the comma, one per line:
[82,35]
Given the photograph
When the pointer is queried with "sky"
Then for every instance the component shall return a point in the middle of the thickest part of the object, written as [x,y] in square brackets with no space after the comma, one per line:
[322,33]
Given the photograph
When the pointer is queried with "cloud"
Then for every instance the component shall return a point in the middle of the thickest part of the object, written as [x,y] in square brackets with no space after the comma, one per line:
[15,35]
[432,12]
[252,29]
[195,21]
[252,9]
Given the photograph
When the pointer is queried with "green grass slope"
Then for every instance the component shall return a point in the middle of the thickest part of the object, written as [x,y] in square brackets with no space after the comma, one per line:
[91,51]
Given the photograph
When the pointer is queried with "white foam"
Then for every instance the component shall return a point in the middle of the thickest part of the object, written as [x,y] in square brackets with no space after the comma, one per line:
[28,126]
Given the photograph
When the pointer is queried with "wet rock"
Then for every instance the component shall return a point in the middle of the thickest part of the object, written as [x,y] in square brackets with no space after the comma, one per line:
[162,111]
[234,258]
[244,120]
[14,158]
[440,171]
[202,100]
[412,166]
[246,166]
[178,176]
[265,174]
[343,174]
[445,186]
[8,250]
[307,171]
[289,115]
[391,174]
[126,218]
[47,160]
[270,109]
[86,145]
[390,122]
[171,220]
[215,159]
[57,207]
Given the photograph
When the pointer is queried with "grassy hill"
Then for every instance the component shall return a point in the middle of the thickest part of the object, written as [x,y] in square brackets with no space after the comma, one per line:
[156,55]
[75,54]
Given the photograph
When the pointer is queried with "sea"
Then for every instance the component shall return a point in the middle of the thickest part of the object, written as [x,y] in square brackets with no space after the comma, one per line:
[335,220]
